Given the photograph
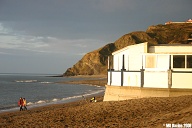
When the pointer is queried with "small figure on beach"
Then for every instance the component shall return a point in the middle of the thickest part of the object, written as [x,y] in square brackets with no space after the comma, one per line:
[24,104]
[84,98]
[20,103]
[93,100]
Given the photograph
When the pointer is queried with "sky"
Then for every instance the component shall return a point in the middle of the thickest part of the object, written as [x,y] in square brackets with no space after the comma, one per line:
[49,36]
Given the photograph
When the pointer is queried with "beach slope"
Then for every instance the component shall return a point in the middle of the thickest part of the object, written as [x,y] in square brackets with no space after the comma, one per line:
[144,112]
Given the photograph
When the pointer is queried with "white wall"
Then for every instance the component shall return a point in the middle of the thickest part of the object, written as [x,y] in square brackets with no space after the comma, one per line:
[156,79]
[182,80]
[108,78]
[132,56]
[118,59]
[116,79]
[135,56]
[175,49]
[132,79]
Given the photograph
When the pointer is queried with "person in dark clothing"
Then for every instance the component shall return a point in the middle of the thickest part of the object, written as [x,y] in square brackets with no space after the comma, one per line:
[93,100]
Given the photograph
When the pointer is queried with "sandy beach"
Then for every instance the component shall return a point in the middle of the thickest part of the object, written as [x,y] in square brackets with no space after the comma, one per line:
[145,112]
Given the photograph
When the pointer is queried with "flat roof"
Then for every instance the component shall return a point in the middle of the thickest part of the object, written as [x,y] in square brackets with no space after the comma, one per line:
[172,45]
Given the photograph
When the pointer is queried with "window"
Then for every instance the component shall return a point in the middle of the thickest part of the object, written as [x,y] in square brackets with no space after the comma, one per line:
[178,61]
[163,61]
[150,61]
[189,61]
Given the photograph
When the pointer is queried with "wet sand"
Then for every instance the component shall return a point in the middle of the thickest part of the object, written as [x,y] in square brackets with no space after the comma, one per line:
[100,80]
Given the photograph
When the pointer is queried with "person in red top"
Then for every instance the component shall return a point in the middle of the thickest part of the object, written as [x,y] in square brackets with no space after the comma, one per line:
[20,103]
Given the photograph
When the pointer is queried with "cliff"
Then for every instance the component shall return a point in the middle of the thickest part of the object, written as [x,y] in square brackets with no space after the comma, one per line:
[95,62]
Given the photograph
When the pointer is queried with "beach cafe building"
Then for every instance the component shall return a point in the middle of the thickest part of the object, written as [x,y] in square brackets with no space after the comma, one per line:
[145,70]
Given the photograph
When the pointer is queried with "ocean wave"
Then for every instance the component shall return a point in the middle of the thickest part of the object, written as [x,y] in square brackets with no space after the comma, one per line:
[25,81]
[40,102]
[33,81]
[55,99]
[83,95]
[72,97]
[96,92]
[45,82]
[36,103]
[30,103]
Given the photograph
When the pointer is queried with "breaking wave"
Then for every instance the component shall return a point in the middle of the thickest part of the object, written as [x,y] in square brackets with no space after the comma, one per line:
[62,100]
[25,81]
[33,81]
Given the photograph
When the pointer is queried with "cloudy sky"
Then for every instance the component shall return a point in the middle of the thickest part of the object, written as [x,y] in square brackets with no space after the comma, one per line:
[49,36]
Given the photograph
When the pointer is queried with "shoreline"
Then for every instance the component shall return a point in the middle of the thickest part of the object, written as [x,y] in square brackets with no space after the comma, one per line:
[144,112]
[88,82]
[86,99]
[59,102]
[98,80]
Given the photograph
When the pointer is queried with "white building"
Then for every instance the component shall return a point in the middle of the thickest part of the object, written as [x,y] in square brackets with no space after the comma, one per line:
[154,66]
[145,70]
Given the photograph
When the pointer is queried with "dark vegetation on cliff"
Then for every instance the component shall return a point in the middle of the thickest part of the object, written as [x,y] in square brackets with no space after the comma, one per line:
[95,62]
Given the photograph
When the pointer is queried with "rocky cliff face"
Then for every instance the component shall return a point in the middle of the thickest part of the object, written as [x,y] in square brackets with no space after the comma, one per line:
[95,62]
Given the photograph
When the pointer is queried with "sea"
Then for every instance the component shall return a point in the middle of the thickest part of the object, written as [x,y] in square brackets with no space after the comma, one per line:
[41,90]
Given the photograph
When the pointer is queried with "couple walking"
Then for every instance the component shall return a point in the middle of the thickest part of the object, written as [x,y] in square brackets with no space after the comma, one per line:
[22,103]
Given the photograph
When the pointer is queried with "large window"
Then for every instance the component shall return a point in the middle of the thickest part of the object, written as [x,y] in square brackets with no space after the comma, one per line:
[158,61]
[178,61]
[182,61]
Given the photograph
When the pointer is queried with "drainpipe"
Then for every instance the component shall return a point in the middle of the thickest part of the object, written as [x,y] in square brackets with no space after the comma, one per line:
[111,67]
[142,74]
[122,70]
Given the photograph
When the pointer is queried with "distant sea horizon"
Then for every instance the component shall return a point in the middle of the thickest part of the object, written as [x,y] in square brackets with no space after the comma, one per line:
[41,74]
